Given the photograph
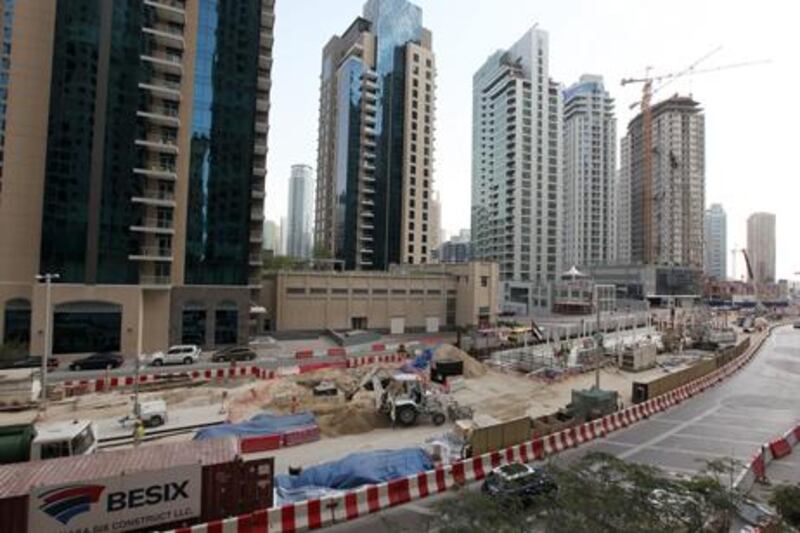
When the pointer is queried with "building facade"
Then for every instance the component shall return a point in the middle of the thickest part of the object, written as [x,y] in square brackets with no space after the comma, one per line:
[590,140]
[435,225]
[455,251]
[404,299]
[135,150]
[662,212]
[517,184]
[375,149]
[299,233]
[716,243]
[761,246]
[272,237]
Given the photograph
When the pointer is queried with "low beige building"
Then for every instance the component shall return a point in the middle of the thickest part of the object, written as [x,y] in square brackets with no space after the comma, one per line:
[409,298]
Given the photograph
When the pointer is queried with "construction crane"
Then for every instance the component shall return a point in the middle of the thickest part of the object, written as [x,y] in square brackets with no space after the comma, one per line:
[647,130]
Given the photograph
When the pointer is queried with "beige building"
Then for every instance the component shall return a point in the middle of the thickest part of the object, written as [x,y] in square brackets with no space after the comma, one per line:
[135,143]
[404,299]
[761,246]
[375,149]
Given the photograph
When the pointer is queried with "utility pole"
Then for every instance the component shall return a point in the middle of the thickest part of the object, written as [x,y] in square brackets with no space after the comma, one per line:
[47,278]
[597,355]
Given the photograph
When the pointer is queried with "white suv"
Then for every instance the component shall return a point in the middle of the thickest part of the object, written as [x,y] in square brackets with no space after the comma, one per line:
[186,354]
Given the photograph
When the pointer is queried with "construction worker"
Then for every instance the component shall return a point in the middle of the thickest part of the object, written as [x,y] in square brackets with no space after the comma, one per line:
[138,431]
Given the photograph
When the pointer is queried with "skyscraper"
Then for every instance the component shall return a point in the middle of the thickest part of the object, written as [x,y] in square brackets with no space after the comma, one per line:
[517,162]
[301,204]
[135,146]
[716,243]
[434,223]
[375,150]
[272,236]
[663,220]
[761,246]
[590,138]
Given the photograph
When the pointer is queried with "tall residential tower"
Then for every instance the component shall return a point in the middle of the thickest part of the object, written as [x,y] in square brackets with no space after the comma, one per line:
[761,246]
[301,204]
[135,149]
[517,162]
[716,243]
[664,226]
[375,150]
[590,139]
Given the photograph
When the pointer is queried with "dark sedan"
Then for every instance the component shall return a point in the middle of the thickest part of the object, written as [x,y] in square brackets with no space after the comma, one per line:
[518,482]
[234,353]
[98,361]
[33,361]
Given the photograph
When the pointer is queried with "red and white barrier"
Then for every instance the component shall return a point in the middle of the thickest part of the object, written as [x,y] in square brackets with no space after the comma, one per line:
[769,452]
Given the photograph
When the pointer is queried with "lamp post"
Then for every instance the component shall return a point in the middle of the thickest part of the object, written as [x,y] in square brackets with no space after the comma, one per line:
[48,279]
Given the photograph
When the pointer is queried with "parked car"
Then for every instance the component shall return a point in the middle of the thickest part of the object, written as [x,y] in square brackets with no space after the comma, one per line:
[518,482]
[186,354]
[98,361]
[33,361]
[234,353]
[797,325]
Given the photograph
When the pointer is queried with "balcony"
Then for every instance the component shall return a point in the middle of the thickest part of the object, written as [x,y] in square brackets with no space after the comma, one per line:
[171,10]
[166,146]
[262,104]
[255,260]
[152,253]
[164,35]
[368,165]
[266,39]
[368,202]
[164,62]
[256,214]
[149,279]
[157,171]
[257,194]
[259,171]
[367,190]
[164,116]
[158,226]
[264,62]
[155,198]
[368,214]
[368,179]
[267,18]
[162,87]
[262,127]
[260,149]
[263,82]
[254,281]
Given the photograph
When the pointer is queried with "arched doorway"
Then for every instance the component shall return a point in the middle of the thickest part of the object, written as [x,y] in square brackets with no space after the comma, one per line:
[193,323]
[17,322]
[226,323]
[87,326]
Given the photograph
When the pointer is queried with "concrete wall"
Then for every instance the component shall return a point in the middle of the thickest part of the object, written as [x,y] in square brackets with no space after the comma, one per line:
[211,298]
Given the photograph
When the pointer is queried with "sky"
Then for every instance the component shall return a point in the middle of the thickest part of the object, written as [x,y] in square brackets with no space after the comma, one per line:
[752,113]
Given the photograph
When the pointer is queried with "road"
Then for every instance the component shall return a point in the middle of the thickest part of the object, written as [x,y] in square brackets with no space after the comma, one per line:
[731,420]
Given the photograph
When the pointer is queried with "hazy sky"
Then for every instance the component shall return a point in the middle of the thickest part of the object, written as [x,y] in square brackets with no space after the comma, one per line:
[752,114]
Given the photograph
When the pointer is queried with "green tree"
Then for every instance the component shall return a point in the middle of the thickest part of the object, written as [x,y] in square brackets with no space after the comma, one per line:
[279,262]
[321,252]
[786,500]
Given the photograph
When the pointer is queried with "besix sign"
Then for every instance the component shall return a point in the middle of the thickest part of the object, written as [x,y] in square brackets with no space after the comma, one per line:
[121,503]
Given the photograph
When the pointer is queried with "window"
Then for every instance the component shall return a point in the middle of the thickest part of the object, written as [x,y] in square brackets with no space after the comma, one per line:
[295,290]
[51,450]
[417,291]
[484,281]
[380,291]
[319,290]
[360,291]
[338,291]
[398,291]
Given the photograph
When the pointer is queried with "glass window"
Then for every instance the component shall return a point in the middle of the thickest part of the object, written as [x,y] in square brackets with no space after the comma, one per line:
[226,326]
[89,331]
[194,327]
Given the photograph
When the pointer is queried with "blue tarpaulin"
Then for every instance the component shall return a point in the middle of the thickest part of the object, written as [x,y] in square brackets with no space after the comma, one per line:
[420,362]
[259,425]
[353,471]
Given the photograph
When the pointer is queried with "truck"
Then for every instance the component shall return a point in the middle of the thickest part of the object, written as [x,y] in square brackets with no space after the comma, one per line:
[33,442]
[19,388]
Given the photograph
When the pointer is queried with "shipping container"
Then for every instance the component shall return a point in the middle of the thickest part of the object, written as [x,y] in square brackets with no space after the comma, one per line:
[230,485]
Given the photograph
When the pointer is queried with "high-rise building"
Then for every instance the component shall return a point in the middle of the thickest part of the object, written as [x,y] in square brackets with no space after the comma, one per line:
[272,237]
[301,205]
[590,138]
[375,150]
[661,212]
[761,246]
[455,251]
[716,243]
[135,150]
[517,162]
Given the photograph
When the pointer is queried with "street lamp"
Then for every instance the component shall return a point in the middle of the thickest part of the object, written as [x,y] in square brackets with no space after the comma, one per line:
[48,279]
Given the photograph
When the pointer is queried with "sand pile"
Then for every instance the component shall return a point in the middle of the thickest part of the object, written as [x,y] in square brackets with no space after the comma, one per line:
[472,367]
[358,416]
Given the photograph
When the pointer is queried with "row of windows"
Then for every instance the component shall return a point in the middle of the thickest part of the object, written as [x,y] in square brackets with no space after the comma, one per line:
[317,291]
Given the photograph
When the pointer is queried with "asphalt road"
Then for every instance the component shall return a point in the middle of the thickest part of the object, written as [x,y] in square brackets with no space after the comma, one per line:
[732,420]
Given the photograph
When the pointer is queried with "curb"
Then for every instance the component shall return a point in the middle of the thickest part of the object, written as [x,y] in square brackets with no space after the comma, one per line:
[315,514]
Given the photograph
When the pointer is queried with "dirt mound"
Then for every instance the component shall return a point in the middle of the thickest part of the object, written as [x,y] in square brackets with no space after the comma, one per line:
[472,367]
[351,419]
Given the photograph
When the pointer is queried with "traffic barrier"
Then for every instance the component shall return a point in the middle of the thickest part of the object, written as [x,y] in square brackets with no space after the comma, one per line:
[304,354]
[780,448]
[300,436]
[774,450]
[260,444]
[372,498]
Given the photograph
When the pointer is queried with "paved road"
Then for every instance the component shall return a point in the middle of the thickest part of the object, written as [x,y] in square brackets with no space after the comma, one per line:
[731,420]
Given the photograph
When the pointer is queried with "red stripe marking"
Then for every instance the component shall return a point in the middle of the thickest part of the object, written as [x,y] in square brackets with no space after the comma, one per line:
[538,449]
[441,481]
[458,473]
[496,458]
[399,492]
[314,514]
[351,505]
[287,518]
[373,499]
[243,523]
[422,484]
[780,448]
[259,522]
[477,467]
[214,527]
[378,347]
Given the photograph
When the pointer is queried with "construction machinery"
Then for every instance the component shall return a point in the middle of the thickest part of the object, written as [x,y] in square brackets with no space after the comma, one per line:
[406,397]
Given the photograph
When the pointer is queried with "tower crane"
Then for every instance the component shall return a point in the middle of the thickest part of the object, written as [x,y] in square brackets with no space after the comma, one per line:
[647,129]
